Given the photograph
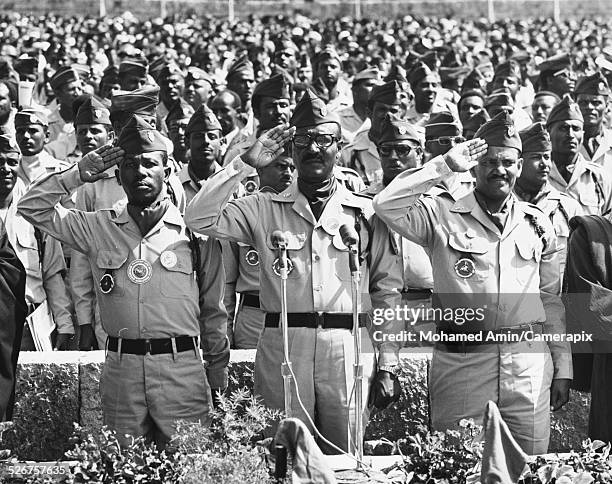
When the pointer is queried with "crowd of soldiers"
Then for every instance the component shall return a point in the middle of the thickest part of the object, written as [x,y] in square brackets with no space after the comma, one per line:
[144,167]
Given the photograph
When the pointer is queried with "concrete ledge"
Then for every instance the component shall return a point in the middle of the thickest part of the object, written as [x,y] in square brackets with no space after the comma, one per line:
[56,389]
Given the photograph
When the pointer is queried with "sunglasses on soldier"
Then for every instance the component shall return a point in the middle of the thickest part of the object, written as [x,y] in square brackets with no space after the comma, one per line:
[322,140]
[400,150]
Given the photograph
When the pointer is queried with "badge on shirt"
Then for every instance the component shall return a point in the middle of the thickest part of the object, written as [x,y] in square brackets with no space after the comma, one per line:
[276,267]
[107,283]
[250,186]
[465,267]
[331,225]
[139,271]
[252,257]
[168,259]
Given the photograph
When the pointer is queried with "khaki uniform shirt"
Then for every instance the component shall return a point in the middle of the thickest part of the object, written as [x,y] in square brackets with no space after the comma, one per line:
[362,156]
[350,123]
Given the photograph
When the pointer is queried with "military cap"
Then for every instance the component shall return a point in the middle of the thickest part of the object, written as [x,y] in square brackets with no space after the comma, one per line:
[594,84]
[555,64]
[197,74]
[535,138]
[366,74]
[8,144]
[499,98]
[470,93]
[501,132]
[328,52]
[474,80]
[63,76]
[431,59]
[28,116]
[156,66]
[203,119]
[171,68]
[181,109]
[396,129]
[141,101]
[453,73]
[396,73]
[509,68]
[474,122]
[311,111]
[390,92]
[276,86]
[442,124]
[92,111]
[139,137]
[566,110]
[284,43]
[135,67]
[421,71]
[241,66]
[110,75]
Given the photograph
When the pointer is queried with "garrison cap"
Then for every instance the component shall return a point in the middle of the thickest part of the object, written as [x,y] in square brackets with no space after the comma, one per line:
[366,74]
[63,76]
[135,67]
[26,65]
[197,74]
[276,86]
[396,129]
[546,93]
[555,64]
[501,98]
[474,80]
[535,138]
[397,73]
[92,111]
[284,43]
[594,84]
[421,71]
[29,116]
[311,110]
[203,119]
[139,137]
[474,122]
[391,92]
[141,101]
[110,75]
[566,110]
[501,132]
[241,66]
[509,68]
[156,66]
[181,109]
[442,124]
[328,52]
[8,144]
[169,69]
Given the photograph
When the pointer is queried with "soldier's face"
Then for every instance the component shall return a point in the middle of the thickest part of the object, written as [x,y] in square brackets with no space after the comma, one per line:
[171,89]
[541,108]
[562,83]
[566,136]
[286,59]
[315,163]
[592,108]
[329,70]
[398,156]
[205,147]
[243,85]
[469,106]
[31,138]
[142,177]
[509,84]
[223,108]
[90,137]
[426,90]
[5,103]
[130,82]
[278,174]
[380,110]
[67,93]
[197,93]
[273,112]
[536,167]
[9,162]
[176,133]
[497,171]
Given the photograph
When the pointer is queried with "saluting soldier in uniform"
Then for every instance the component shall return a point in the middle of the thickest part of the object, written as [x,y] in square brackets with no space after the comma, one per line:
[497,256]
[310,212]
[158,287]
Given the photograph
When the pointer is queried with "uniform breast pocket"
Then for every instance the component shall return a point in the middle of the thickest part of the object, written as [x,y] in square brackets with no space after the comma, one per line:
[527,260]
[177,275]
[296,254]
[468,257]
[111,262]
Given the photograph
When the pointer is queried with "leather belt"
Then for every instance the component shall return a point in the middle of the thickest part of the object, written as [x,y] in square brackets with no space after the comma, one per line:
[250,300]
[152,346]
[536,328]
[314,320]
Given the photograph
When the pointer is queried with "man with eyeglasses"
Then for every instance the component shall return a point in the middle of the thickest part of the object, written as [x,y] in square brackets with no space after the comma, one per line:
[557,75]
[442,132]
[498,257]
[310,213]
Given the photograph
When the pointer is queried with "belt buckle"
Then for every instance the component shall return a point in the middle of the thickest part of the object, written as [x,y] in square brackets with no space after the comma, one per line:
[148,347]
[319,319]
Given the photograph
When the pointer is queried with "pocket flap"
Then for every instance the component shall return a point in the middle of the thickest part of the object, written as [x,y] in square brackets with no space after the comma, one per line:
[462,243]
[110,259]
[526,248]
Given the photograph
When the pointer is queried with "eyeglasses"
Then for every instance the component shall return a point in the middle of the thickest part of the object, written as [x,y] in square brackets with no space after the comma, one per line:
[448,140]
[400,150]
[323,141]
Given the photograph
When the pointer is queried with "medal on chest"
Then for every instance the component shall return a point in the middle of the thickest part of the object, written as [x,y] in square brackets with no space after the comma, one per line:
[168,259]
[140,271]
[107,282]
[465,267]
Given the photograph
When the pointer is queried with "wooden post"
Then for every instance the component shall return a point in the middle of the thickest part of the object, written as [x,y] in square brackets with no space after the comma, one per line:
[162,9]
[357,9]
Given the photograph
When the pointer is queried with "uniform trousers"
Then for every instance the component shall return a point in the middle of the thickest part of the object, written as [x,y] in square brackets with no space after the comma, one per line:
[516,376]
[322,361]
[248,326]
[145,395]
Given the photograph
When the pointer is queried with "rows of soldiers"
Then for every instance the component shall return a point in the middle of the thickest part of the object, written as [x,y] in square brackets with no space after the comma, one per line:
[142,206]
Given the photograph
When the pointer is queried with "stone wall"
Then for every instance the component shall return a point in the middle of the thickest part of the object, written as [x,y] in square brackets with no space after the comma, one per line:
[57,389]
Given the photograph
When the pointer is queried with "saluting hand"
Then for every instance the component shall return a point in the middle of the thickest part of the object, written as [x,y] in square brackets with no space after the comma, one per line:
[465,155]
[268,146]
[93,165]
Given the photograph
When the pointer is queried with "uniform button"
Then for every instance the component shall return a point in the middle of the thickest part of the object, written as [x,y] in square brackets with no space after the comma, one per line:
[316,258]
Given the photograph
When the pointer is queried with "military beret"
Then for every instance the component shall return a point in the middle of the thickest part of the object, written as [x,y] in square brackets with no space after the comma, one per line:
[555,64]
[535,138]
[396,129]
[29,116]
[474,80]
[500,98]
[500,132]
[92,111]
[312,111]
[422,71]
[171,68]
[110,75]
[594,84]
[474,122]
[366,74]
[196,74]
[509,68]
[63,76]
[142,101]
[546,93]
[276,86]
[8,144]
[442,124]
[134,67]
[241,66]
[391,92]
[203,119]
[181,109]
[566,110]
[139,137]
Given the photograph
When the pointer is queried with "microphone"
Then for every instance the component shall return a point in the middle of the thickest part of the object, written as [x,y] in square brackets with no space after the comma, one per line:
[350,239]
[279,242]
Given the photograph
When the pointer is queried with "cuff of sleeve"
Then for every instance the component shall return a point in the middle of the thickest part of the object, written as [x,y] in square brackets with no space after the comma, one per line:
[217,378]
[441,168]
[237,166]
[71,179]
[388,355]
